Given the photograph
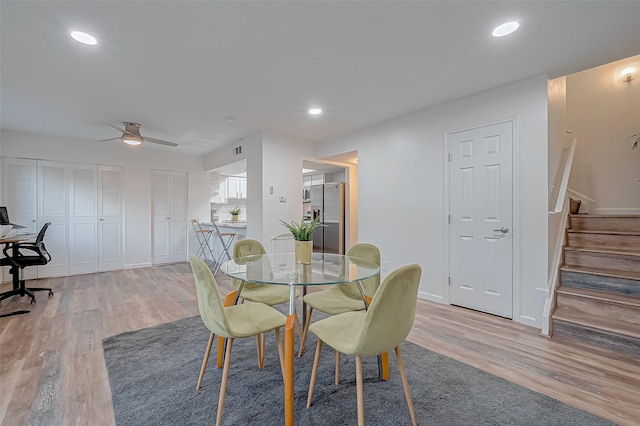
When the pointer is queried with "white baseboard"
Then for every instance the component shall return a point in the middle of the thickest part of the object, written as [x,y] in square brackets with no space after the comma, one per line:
[620,211]
[137,265]
[431,297]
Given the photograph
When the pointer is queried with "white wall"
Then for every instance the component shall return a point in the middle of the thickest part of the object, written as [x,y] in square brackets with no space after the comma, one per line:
[603,112]
[282,158]
[252,152]
[559,141]
[137,163]
[273,160]
[401,175]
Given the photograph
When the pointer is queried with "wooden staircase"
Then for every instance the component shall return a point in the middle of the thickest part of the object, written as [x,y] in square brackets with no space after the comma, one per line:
[598,301]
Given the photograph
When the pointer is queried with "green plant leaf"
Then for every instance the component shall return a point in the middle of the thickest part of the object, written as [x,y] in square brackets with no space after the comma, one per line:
[302,231]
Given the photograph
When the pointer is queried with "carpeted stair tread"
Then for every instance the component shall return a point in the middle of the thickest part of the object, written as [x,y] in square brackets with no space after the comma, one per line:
[607,325]
[607,250]
[605,216]
[586,231]
[603,272]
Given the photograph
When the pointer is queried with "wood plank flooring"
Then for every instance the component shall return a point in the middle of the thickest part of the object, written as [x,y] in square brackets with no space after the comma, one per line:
[52,369]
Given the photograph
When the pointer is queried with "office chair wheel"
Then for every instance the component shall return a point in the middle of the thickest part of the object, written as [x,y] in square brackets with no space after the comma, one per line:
[50,293]
[33,300]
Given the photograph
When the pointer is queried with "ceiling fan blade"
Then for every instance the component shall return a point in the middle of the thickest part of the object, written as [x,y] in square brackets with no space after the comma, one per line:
[159,141]
[107,140]
[120,129]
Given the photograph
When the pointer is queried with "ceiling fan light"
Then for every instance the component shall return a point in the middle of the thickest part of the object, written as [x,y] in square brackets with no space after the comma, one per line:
[84,38]
[131,139]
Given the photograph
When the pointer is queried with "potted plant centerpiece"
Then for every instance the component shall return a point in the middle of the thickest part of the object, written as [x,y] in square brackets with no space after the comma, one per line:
[235,212]
[303,234]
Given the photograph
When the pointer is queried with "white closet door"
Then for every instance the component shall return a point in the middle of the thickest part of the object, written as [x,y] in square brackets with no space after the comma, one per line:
[161,216]
[169,216]
[20,192]
[110,218]
[20,186]
[83,245]
[179,207]
[53,207]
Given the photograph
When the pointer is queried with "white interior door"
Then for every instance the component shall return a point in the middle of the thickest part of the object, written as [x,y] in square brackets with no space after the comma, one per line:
[83,233]
[161,217]
[20,189]
[110,220]
[53,207]
[481,216]
[179,208]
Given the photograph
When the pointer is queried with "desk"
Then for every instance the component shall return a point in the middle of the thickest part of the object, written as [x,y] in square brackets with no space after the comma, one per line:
[15,271]
[324,269]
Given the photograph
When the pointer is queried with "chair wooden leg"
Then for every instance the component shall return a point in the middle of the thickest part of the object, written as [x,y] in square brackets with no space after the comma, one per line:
[314,372]
[258,351]
[298,326]
[220,351]
[337,368]
[263,339]
[303,338]
[384,361]
[405,385]
[280,350]
[223,384]
[205,360]
[359,391]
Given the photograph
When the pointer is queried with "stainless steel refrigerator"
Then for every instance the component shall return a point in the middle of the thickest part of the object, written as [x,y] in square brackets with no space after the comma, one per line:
[327,201]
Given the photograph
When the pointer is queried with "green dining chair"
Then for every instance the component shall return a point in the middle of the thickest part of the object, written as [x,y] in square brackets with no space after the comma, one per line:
[345,297]
[381,328]
[231,322]
[256,292]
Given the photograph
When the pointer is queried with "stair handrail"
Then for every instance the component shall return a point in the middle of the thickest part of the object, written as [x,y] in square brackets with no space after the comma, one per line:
[561,221]
[566,171]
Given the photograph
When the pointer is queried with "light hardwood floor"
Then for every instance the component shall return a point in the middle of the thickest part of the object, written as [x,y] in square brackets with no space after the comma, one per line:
[52,369]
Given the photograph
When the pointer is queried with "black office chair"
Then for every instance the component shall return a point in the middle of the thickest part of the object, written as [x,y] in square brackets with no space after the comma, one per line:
[21,255]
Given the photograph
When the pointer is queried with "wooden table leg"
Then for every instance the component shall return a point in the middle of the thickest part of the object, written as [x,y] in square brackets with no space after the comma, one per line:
[288,371]
[385,365]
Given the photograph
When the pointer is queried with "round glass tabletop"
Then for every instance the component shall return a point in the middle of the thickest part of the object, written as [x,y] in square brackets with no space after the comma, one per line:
[281,269]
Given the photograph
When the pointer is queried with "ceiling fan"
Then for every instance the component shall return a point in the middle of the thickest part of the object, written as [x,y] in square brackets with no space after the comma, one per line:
[131,135]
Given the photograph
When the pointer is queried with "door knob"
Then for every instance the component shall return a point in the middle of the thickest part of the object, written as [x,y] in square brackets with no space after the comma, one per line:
[503,230]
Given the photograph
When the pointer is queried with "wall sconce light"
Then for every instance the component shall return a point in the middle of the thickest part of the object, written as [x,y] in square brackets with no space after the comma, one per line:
[628,72]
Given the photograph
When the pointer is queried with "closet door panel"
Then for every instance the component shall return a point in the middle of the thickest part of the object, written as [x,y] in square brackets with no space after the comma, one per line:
[53,207]
[20,195]
[83,246]
[161,216]
[110,218]
[179,208]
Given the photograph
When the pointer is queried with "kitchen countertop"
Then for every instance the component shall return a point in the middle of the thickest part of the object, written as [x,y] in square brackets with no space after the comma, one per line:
[241,225]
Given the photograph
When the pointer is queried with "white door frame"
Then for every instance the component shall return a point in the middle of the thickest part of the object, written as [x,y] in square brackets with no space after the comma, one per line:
[516,210]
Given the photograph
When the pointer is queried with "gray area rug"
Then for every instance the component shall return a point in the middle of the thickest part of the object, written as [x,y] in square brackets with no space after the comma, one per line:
[153,374]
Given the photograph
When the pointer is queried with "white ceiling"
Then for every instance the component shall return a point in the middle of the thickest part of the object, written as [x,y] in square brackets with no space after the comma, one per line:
[180,68]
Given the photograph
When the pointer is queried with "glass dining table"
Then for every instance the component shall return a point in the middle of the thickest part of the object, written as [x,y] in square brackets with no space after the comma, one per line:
[282,269]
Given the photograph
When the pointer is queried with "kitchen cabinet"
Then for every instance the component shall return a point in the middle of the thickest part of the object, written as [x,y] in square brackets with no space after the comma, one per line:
[236,187]
[312,179]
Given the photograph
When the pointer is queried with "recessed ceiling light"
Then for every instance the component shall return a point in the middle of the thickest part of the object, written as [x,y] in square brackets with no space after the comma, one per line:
[84,38]
[505,29]
[315,111]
